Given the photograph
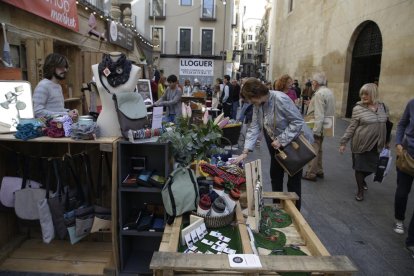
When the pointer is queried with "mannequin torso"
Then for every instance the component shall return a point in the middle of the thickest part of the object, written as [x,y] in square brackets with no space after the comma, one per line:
[108,120]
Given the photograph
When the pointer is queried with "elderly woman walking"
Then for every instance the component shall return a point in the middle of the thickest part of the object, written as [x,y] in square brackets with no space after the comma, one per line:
[367,132]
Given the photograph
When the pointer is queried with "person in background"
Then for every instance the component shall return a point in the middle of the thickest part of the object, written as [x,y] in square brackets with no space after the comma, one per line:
[367,132]
[48,97]
[227,97]
[296,87]
[187,89]
[215,98]
[196,86]
[321,106]
[306,96]
[161,87]
[171,99]
[404,140]
[281,122]
[284,84]
[236,98]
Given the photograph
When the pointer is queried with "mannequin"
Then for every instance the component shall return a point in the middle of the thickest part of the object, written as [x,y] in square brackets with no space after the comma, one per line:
[108,120]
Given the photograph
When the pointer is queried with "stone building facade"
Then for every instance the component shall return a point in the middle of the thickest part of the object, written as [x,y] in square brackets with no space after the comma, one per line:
[353,42]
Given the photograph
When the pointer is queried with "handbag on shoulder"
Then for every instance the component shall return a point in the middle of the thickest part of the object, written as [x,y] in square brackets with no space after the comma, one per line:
[405,163]
[294,156]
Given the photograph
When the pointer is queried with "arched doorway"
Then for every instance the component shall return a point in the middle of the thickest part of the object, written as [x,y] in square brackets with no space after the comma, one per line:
[366,61]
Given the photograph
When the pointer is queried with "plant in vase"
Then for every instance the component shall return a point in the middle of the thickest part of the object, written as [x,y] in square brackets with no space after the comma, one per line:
[193,142]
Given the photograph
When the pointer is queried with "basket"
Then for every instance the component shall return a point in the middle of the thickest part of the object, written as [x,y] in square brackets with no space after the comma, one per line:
[232,134]
[217,222]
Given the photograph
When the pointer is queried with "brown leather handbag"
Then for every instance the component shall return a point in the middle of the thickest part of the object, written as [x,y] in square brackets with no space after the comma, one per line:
[405,163]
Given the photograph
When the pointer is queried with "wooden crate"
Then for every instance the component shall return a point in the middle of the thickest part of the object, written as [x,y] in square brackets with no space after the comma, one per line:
[167,261]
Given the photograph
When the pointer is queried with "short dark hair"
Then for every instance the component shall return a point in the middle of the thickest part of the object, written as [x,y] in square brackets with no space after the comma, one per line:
[172,78]
[254,88]
[227,77]
[52,62]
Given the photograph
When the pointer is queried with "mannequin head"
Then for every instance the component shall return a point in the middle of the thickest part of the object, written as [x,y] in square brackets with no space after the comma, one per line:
[115,56]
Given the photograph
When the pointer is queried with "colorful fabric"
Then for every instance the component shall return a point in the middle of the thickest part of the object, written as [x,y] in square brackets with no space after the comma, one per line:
[215,171]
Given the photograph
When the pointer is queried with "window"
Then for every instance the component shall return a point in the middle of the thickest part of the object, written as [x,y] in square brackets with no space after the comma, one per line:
[157,8]
[208,8]
[249,46]
[158,37]
[185,41]
[206,42]
[186,2]
[250,37]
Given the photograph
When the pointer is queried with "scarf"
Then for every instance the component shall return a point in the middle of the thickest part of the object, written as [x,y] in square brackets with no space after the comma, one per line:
[117,72]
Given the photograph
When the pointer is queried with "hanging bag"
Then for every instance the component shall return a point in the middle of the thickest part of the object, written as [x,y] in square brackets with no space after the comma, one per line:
[130,109]
[405,163]
[295,155]
[11,184]
[45,216]
[26,199]
[180,193]
[102,220]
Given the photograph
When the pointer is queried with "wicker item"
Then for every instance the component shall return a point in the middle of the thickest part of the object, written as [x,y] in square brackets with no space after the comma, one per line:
[217,222]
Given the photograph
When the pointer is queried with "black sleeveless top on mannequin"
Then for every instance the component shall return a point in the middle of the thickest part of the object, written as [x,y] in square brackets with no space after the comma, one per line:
[117,72]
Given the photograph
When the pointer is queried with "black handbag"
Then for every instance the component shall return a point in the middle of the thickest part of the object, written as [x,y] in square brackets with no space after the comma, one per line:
[294,156]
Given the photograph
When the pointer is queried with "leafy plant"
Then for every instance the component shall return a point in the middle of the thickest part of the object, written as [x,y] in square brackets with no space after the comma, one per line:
[193,142]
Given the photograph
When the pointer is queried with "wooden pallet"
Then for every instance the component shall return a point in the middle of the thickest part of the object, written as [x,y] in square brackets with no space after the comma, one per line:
[84,258]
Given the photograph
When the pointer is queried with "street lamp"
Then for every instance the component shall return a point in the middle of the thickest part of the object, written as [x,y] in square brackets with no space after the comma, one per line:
[224,36]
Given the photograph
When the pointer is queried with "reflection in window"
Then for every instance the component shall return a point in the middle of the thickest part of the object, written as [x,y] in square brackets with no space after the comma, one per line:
[185,41]
[185,2]
[208,8]
[158,7]
[158,37]
[207,42]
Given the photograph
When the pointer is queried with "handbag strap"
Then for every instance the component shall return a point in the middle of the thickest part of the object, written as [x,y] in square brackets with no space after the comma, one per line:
[99,186]
[88,178]
[59,188]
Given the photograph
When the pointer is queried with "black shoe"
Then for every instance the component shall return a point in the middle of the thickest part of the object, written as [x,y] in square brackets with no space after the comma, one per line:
[365,186]
[320,175]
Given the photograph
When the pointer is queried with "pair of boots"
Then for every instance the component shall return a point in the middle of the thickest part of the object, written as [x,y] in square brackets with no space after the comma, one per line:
[361,188]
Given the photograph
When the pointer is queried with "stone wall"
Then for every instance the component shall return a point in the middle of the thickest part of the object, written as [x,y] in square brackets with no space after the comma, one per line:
[320,35]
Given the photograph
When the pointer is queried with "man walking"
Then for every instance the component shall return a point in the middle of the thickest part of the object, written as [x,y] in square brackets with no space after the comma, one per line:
[227,97]
[321,106]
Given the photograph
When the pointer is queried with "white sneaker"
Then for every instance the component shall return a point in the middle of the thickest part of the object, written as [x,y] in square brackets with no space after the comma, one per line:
[399,227]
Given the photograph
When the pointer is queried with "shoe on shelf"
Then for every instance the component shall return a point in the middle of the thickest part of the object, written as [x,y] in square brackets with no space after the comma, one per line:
[309,177]
[320,175]
[410,250]
[399,227]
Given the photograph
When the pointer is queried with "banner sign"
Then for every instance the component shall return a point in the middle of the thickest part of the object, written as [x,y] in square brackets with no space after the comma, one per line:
[196,67]
[121,36]
[61,12]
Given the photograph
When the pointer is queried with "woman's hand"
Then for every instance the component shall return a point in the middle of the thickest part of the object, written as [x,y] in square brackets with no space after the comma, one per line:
[342,148]
[239,158]
[275,144]
[399,150]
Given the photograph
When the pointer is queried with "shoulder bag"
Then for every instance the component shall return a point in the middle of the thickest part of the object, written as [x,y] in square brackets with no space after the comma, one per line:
[295,155]
[405,163]
[130,109]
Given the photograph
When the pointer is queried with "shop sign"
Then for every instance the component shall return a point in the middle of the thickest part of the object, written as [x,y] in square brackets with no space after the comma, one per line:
[61,12]
[121,36]
[196,67]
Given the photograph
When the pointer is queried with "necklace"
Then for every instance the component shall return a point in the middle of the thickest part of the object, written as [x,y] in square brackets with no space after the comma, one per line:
[117,72]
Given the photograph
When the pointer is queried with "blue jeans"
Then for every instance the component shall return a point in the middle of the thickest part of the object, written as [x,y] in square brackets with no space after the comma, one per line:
[404,183]
[234,110]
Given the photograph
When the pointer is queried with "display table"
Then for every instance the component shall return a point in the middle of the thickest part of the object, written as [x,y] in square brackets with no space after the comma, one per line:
[21,246]
[169,262]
